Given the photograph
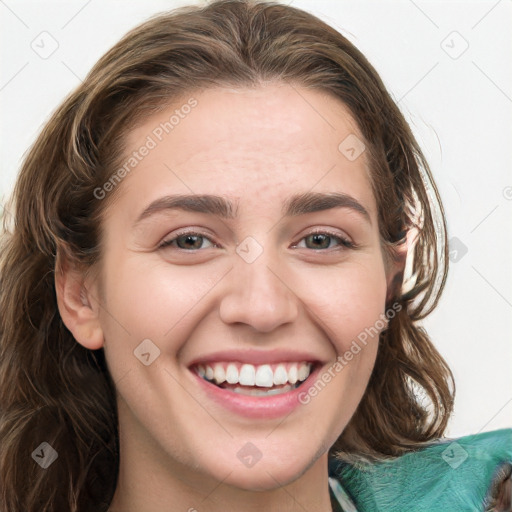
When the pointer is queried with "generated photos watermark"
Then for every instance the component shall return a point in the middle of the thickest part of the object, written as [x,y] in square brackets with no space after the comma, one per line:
[343,360]
[152,140]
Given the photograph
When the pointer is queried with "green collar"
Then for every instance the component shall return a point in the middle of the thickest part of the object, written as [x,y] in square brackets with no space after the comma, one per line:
[448,474]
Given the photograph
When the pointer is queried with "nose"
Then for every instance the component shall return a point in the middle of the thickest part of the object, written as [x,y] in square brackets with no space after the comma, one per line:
[257,295]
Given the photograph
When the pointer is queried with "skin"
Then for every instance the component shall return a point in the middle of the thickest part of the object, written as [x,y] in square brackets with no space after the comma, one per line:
[257,146]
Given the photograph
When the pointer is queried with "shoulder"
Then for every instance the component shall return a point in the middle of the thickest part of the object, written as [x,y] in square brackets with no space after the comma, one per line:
[463,474]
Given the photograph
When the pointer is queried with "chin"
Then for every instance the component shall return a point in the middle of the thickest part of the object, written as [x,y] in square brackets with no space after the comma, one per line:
[277,469]
[265,478]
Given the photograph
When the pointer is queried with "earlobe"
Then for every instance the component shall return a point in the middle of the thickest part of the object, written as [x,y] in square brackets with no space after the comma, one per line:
[77,307]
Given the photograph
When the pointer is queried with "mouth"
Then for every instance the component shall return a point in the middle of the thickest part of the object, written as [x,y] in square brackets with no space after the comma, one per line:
[262,380]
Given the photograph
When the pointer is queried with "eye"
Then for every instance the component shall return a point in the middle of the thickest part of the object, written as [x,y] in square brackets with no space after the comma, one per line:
[318,240]
[186,241]
[322,240]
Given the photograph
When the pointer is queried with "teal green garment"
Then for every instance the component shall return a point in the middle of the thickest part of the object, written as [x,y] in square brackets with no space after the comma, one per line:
[448,476]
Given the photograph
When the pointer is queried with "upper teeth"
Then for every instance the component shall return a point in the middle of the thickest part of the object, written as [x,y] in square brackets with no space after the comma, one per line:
[264,375]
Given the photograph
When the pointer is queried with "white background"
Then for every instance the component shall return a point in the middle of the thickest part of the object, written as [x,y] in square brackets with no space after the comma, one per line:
[459,106]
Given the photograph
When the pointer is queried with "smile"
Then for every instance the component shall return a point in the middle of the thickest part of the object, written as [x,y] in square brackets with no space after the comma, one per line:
[255,380]
[256,384]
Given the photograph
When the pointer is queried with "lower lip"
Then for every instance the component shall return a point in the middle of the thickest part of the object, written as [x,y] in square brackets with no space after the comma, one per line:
[265,407]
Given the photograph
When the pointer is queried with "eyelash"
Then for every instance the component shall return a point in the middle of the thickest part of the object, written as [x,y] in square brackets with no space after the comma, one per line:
[343,242]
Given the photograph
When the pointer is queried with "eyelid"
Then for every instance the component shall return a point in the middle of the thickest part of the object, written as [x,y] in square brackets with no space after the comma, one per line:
[345,241]
[186,231]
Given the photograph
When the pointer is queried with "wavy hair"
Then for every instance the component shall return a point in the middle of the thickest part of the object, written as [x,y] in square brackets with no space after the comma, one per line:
[54,390]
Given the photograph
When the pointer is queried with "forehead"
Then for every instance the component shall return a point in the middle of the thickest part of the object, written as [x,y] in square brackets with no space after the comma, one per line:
[250,143]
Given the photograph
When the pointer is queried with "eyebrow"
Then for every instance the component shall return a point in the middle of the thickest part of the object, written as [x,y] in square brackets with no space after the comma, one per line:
[299,204]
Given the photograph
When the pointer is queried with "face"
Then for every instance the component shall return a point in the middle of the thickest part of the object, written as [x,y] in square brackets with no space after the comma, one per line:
[223,322]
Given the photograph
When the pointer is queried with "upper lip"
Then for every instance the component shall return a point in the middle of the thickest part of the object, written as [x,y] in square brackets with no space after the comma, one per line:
[256,357]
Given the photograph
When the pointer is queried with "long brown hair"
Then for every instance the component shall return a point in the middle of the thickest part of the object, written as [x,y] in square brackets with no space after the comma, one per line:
[54,390]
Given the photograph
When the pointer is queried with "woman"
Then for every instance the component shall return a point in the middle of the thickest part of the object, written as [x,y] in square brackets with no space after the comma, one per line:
[204,297]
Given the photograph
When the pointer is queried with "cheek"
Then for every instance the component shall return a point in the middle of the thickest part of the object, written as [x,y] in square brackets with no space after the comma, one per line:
[151,298]
[349,301]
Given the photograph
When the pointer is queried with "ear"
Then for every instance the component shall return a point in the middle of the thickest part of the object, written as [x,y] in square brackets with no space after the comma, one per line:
[396,267]
[77,305]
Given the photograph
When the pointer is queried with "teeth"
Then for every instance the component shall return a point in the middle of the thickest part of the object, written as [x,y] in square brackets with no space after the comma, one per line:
[292,374]
[209,373]
[280,375]
[303,372]
[247,375]
[251,375]
[219,374]
[262,392]
[278,391]
[264,376]
[232,374]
